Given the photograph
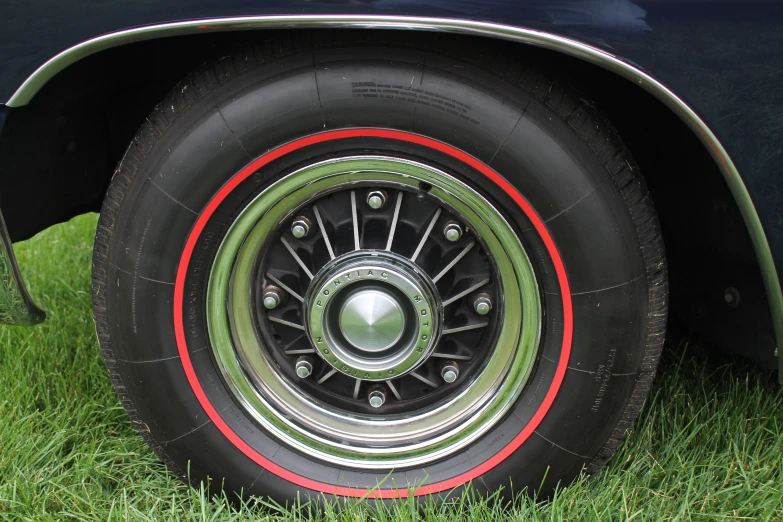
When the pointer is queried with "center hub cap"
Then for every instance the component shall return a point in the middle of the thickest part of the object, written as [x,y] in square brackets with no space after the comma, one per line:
[372,320]
[373,316]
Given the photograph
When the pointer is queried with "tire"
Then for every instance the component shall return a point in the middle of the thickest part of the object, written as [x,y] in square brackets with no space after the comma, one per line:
[527,145]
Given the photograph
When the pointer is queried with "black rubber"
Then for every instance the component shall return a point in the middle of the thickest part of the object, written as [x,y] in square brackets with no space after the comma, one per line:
[538,133]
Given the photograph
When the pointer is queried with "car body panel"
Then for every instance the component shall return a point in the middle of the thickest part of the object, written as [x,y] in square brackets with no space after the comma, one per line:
[715,63]
[16,306]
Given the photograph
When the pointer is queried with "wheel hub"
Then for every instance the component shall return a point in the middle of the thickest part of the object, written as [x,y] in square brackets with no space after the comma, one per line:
[372,320]
[373,316]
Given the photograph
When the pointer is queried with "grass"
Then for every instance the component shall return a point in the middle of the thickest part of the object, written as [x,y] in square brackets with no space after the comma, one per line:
[708,445]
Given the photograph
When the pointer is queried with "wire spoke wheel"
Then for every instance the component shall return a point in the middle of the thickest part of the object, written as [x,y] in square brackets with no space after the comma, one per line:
[367,310]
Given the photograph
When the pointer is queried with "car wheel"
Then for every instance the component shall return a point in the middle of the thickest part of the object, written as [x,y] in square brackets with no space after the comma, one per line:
[354,268]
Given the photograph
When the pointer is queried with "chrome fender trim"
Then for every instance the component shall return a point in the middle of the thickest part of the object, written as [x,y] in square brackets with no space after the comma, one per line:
[16,306]
[538,38]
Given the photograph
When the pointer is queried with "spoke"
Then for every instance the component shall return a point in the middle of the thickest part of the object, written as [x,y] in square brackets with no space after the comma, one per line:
[465,292]
[286,323]
[449,356]
[284,287]
[453,262]
[296,257]
[426,235]
[296,340]
[323,379]
[394,391]
[423,379]
[299,352]
[356,388]
[323,231]
[464,328]
[355,221]
[394,221]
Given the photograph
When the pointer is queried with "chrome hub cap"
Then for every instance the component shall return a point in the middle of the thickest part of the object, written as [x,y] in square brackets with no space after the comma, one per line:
[373,316]
[372,320]
[373,312]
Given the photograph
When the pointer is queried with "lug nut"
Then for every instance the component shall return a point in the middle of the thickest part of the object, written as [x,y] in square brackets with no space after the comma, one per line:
[304,367]
[449,372]
[376,397]
[300,227]
[482,304]
[732,296]
[452,231]
[273,296]
[376,199]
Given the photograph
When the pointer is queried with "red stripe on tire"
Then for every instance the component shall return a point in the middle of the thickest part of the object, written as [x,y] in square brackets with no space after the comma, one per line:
[236,440]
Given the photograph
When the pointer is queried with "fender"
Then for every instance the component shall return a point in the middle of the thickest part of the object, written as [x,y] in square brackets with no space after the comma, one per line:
[565,45]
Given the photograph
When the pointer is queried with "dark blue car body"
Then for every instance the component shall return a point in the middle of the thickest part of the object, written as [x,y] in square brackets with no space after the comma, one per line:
[717,64]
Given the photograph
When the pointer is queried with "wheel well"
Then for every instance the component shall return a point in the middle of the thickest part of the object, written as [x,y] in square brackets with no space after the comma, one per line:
[58,153]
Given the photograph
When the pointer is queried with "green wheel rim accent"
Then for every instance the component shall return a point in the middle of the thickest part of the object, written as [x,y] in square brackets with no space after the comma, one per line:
[349,439]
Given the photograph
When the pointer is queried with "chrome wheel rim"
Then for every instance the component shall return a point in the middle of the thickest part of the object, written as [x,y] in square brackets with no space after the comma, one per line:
[350,438]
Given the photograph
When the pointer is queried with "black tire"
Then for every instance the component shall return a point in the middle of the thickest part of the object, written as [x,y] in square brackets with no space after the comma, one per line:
[552,146]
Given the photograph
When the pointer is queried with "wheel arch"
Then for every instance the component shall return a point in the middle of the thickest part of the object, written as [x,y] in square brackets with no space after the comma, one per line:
[573,49]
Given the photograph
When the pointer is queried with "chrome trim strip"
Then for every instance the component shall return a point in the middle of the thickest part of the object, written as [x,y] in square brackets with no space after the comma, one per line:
[16,306]
[538,38]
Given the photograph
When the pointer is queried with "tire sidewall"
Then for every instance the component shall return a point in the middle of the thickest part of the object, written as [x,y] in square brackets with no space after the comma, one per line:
[162,203]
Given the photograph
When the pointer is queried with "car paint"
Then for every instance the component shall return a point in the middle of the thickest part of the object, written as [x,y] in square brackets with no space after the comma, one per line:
[722,58]
[16,305]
